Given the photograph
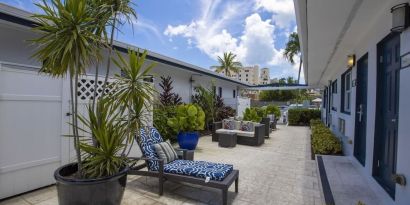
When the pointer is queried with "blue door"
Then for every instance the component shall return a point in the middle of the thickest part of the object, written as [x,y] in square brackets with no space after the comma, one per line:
[361,110]
[385,145]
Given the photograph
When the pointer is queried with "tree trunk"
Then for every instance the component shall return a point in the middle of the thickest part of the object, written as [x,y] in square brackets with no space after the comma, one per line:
[109,55]
[95,144]
[73,93]
[300,68]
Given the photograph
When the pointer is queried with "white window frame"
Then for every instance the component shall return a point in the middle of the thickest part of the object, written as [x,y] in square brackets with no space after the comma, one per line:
[347,91]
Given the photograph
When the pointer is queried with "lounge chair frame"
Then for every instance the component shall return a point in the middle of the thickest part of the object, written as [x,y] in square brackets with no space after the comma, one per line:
[162,177]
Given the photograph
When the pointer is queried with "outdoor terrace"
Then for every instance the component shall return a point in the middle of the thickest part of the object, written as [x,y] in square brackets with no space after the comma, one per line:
[278,172]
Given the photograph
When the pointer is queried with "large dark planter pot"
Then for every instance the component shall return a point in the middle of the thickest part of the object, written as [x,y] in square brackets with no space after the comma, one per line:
[188,140]
[71,191]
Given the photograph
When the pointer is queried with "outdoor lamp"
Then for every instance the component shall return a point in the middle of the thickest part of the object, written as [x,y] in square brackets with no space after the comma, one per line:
[400,14]
[351,60]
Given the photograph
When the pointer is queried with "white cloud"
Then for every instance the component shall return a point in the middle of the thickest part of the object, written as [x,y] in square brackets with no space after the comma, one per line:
[209,34]
[283,13]
[255,44]
[146,27]
[257,41]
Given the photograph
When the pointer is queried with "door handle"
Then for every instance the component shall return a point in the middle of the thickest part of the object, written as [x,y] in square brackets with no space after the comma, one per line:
[360,112]
[393,120]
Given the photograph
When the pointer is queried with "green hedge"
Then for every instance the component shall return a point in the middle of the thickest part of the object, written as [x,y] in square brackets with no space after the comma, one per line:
[323,140]
[302,116]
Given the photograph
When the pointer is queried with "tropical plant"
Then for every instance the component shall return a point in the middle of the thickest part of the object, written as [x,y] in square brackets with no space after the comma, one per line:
[131,94]
[167,97]
[251,114]
[206,99]
[273,109]
[188,118]
[223,111]
[72,35]
[292,49]
[116,12]
[67,46]
[117,117]
[161,114]
[228,64]
[108,131]
[261,111]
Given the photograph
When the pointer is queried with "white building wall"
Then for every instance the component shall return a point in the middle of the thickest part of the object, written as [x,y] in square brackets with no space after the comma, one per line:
[403,143]
[368,44]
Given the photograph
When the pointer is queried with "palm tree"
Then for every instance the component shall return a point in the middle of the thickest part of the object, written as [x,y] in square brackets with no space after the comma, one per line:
[116,12]
[228,64]
[292,49]
[67,46]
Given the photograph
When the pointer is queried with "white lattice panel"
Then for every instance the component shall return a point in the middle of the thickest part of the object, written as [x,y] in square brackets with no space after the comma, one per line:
[86,87]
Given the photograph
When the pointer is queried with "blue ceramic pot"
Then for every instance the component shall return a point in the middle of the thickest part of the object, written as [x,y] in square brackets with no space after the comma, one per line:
[188,140]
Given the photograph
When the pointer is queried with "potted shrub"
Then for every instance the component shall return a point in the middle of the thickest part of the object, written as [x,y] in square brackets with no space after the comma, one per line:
[189,119]
[112,124]
[251,114]
[72,36]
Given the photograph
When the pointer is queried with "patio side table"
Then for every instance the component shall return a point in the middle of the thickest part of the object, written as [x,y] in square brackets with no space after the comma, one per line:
[227,139]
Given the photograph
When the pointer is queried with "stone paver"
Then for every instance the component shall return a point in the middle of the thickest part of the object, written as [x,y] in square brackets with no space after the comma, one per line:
[278,172]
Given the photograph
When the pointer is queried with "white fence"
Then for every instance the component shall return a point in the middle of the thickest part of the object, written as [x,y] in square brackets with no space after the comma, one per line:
[34,117]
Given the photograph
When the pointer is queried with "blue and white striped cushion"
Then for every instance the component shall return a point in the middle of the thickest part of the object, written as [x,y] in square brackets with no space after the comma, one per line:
[201,169]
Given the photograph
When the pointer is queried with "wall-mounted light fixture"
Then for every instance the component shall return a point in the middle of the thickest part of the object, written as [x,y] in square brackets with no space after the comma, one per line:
[400,17]
[351,60]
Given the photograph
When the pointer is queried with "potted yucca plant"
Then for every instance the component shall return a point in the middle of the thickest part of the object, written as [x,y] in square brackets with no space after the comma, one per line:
[72,37]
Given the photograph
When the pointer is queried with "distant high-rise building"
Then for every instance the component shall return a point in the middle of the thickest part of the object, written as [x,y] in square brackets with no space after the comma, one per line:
[264,78]
[249,74]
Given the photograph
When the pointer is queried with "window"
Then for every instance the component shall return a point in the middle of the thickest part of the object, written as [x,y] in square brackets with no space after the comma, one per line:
[240,75]
[346,92]
[334,93]
[246,79]
[234,93]
[342,126]
[246,75]
[220,91]
[324,102]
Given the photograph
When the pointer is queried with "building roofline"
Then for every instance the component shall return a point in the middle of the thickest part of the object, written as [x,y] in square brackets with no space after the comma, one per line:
[21,17]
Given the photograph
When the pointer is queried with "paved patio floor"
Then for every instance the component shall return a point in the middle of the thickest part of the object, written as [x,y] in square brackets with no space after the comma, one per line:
[278,172]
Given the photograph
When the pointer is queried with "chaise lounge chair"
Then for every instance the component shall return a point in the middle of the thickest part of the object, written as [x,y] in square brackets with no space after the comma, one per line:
[209,174]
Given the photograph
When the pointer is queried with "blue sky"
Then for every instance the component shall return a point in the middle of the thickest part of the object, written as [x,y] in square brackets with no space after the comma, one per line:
[197,31]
